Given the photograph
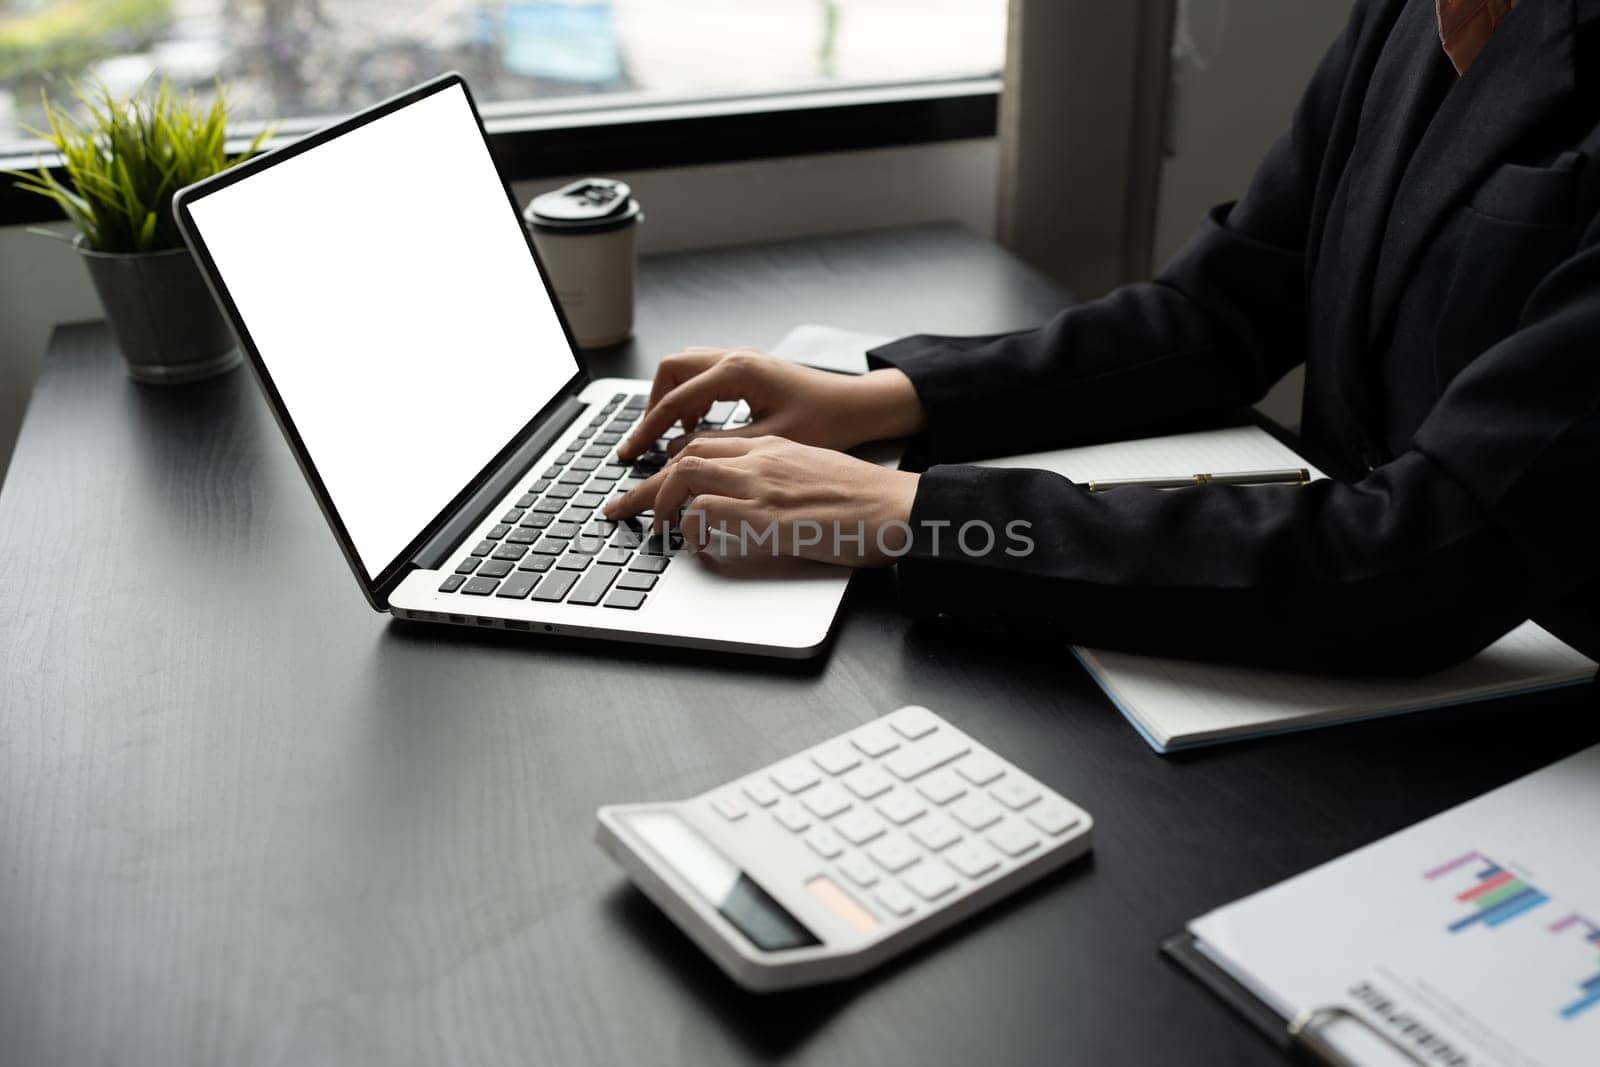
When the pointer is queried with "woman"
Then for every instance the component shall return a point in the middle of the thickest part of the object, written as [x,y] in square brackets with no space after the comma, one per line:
[1424,239]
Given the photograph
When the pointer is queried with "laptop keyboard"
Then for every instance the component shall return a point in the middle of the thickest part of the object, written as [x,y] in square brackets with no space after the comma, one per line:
[554,546]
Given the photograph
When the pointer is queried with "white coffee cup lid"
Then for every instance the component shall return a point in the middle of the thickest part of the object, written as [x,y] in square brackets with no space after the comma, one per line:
[587,205]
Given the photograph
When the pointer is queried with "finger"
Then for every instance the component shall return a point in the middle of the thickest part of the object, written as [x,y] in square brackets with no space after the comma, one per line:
[715,447]
[737,521]
[720,382]
[640,498]
[689,476]
[679,367]
[754,429]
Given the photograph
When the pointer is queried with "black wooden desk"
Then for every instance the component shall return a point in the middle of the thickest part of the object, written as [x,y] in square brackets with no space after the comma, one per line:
[245,820]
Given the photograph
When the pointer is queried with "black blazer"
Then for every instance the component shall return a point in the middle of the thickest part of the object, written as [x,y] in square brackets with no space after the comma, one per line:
[1429,248]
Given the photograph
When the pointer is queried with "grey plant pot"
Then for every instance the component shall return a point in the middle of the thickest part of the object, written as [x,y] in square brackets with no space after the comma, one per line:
[162,315]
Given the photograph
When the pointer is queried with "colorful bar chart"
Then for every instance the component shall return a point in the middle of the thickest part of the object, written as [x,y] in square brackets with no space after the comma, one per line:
[1588,988]
[1497,894]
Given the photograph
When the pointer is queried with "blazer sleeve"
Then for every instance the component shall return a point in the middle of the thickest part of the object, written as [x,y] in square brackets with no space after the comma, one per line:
[1486,520]
[1214,330]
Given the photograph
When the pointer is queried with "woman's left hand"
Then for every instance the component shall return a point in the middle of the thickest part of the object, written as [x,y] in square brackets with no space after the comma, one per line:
[770,497]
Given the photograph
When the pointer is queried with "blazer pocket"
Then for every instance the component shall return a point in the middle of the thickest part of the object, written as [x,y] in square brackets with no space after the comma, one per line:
[1535,196]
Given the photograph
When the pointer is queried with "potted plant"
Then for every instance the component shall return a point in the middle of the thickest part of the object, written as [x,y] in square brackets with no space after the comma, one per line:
[123,162]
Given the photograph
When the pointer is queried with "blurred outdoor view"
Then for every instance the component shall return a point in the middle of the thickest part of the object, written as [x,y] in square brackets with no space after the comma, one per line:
[288,59]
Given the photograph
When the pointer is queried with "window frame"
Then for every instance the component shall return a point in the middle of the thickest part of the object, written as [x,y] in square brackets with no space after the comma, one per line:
[631,132]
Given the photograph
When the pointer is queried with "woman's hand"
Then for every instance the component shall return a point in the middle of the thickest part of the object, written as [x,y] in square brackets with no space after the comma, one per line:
[803,404]
[767,497]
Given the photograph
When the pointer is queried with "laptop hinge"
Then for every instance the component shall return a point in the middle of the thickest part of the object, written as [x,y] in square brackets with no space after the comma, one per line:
[436,550]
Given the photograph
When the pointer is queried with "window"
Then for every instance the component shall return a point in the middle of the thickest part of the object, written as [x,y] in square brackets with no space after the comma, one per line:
[303,60]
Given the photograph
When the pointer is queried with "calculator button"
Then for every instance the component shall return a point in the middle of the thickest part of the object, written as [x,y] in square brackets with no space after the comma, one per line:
[859,826]
[875,740]
[730,807]
[930,881]
[790,815]
[942,787]
[1013,838]
[901,808]
[1015,793]
[858,870]
[824,842]
[1053,818]
[912,723]
[893,854]
[836,758]
[935,832]
[916,760]
[975,812]
[826,801]
[896,901]
[795,777]
[760,790]
[980,769]
[867,782]
[972,858]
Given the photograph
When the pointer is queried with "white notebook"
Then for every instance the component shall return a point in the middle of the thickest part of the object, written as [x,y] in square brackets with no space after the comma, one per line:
[1177,704]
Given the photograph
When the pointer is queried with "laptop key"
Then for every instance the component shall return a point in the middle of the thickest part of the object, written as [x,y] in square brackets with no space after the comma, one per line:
[585,464]
[550,505]
[518,586]
[627,537]
[539,486]
[594,585]
[577,515]
[514,516]
[597,451]
[468,565]
[563,490]
[601,528]
[495,568]
[616,557]
[480,586]
[607,438]
[537,520]
[534,562]
[637,580]
[588,500]
[554,586]
[511,552]
[554,472]
[648,564]
[483,548]
[564,530]
[572,479]
[451,583]
[610,472]
[497,531]
[550,546]
[522,535]
[526,500]
[627,599]
[573,561]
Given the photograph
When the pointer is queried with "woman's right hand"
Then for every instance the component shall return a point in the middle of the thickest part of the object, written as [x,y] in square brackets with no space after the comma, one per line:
[814,407]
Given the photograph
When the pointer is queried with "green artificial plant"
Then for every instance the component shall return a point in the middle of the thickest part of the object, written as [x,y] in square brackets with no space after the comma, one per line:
[126,159]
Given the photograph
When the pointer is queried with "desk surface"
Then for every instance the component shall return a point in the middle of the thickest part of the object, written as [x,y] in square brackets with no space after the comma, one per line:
[245,820]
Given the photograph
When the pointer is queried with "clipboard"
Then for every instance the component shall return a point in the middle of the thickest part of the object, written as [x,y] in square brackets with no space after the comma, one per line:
[1302,1037]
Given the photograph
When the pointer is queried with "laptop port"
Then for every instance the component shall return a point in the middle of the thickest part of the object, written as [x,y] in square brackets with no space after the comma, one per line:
[517,624]
[458,618]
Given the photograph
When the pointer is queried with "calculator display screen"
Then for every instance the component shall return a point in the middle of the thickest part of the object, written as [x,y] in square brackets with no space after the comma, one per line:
[737,898]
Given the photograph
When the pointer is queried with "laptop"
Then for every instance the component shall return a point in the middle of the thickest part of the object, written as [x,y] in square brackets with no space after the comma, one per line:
[394,309]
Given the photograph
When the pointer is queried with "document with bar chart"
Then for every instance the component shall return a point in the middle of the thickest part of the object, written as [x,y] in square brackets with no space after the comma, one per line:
[1470,939]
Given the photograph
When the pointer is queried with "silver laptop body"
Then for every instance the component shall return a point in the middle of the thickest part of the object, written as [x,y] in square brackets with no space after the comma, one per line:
[403,330]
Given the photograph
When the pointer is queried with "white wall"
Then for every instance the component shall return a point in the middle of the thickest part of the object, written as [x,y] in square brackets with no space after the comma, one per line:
[1239,67]
[42,282]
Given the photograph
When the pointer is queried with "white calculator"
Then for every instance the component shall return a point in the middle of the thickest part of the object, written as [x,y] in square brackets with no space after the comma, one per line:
[830,862]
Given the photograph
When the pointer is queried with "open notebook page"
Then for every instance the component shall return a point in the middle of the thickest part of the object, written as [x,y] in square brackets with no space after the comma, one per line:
[1175,703]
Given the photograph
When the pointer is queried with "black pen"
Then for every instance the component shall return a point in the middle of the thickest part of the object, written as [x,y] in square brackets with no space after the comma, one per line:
[1288,476]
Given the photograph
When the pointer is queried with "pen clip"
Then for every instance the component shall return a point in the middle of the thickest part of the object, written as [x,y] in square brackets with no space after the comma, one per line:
[1305,1033]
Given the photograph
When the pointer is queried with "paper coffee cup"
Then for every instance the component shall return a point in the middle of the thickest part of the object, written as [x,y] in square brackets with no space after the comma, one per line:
[585,235]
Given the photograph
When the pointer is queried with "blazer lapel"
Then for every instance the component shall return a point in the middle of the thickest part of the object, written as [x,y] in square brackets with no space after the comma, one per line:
[1525,70]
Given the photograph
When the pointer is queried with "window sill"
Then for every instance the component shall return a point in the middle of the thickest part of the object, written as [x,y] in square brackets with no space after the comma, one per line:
[568,138]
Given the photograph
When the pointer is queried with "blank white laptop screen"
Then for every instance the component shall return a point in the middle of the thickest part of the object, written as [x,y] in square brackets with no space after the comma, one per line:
[390,293]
